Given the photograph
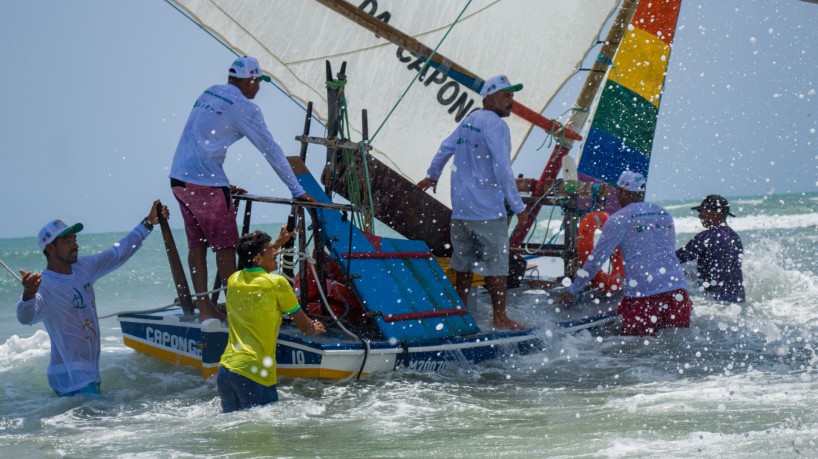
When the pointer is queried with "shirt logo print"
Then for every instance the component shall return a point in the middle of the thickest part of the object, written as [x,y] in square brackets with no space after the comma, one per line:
[78,300]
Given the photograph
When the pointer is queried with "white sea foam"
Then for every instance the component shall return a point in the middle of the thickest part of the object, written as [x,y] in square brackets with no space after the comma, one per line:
[17,348]
[740,380]
[752,223]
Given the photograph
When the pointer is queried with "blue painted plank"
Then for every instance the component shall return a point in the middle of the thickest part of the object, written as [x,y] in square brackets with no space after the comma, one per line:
[393,286]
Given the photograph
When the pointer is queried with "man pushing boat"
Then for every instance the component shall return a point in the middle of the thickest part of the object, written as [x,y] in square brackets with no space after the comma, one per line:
[256,301]
[655,295]
[718,252]
[63,298]
[482,182]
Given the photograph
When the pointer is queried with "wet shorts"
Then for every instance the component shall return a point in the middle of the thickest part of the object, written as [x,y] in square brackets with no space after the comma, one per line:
[238,392]
[90,389]
[644,316]
[209,215]
[480,246]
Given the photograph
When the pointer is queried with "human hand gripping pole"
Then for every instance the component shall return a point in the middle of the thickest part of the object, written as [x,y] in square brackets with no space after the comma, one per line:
[157,210]
[427,183]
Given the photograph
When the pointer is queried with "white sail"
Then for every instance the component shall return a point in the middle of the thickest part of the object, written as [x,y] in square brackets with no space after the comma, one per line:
[539,43]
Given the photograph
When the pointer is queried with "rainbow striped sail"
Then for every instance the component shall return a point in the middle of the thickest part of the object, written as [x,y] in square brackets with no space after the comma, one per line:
[621,133]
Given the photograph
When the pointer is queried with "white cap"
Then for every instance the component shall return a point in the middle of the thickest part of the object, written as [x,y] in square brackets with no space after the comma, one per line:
[245,67]
[55,229]
[498,83]
[632,181]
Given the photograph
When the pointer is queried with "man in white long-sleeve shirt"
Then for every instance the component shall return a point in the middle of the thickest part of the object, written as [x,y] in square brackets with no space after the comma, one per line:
[655,295]
[221,116]
[62,297]
[482,184]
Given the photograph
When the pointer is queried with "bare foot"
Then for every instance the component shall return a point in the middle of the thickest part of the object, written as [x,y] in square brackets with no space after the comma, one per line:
[508,324]
[208,311]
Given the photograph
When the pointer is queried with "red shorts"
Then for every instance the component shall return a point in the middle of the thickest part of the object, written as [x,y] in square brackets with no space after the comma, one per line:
[209,215]
[644,316]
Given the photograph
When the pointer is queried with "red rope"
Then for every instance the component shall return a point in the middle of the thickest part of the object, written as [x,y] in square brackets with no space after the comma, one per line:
[387,255]
[425,314]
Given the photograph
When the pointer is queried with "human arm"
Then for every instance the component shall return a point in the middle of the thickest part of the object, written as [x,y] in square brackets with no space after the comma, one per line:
[307,325]
[30,302]
[283,237]
[444,153]
[427,183]
[153,215]
[252,125]
[612,235]
[31,283]
[306,198]
[690,251]
[106,261]
[235,189]
[498,141]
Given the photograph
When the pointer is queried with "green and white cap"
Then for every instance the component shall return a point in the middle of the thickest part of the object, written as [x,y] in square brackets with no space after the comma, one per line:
[54,229]
[632,181]
[245,67]
[498,83]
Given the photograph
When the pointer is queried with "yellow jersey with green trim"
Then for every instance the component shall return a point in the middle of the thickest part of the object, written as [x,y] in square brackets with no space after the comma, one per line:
[256,301]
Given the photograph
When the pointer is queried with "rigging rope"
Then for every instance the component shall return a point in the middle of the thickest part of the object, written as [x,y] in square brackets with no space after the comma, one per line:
[548,224]
[348,155]
[235,53]
[421,71]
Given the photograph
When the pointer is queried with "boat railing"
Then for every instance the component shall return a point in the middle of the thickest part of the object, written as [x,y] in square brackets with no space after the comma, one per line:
[296,222]
[299,203]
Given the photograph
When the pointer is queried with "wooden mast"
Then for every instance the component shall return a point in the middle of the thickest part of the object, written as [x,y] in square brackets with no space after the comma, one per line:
[579,116]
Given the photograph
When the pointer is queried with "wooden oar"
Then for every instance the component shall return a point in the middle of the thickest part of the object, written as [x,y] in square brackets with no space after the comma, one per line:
[176,268]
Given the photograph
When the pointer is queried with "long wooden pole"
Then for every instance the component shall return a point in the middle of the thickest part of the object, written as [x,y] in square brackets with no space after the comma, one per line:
[176,269]
[414,46]
[579,116]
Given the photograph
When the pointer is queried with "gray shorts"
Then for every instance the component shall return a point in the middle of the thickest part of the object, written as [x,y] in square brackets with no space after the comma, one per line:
[480,246]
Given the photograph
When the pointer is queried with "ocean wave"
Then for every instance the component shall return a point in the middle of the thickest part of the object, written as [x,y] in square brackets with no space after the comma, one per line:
[752,223]
[20,349]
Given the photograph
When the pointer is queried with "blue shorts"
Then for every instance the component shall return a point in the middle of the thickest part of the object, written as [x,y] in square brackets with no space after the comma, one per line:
[90,389]
[238,392]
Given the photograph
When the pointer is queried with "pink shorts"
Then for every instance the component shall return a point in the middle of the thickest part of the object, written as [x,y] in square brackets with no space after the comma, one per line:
[644,316]
[209,215]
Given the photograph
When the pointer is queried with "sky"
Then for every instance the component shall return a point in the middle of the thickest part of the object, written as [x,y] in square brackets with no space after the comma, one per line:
[95,95]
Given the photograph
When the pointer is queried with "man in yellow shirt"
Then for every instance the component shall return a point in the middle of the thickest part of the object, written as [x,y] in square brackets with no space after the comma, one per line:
[256,302]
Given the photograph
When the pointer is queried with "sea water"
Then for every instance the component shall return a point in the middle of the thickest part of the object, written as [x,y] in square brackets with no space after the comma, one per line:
[740,382]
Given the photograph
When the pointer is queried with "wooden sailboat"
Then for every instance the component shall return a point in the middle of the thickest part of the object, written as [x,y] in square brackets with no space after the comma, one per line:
[398,281]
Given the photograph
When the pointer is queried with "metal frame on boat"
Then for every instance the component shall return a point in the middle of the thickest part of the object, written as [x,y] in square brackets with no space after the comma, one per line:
[176,336]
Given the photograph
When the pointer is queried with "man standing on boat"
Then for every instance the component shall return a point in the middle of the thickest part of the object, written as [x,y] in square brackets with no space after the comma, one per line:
[655,295]
[718,251]
[62,297]
[221,116]
[482,183]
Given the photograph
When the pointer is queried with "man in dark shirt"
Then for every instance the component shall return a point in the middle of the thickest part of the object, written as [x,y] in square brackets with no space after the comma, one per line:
[718,251]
